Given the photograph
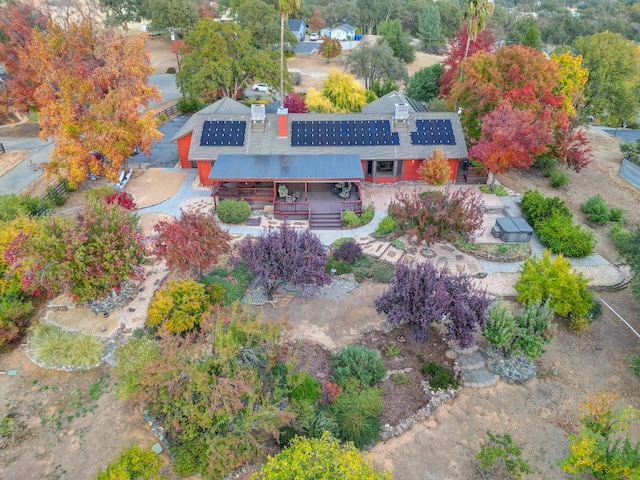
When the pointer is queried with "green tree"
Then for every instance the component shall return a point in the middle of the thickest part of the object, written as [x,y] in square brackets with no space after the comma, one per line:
[264,20]
[425,83]
[286,8]
[532,38]
[320,458]
[181,15]
[476,18]
[220,58]
[429,30]
[630,250]
[399,41]
[518,30]
[375,63]
[613,88]
[121,12]
[450,17]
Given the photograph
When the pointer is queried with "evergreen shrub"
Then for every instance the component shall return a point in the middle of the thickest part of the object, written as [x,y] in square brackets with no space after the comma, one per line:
[233,211]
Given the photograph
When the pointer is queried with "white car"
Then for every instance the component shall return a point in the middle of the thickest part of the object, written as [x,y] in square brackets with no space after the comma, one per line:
[313,36]
[260,87]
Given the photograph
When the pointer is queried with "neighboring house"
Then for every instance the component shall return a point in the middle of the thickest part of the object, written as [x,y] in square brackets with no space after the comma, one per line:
[297,27]
[343,33]
[244,152]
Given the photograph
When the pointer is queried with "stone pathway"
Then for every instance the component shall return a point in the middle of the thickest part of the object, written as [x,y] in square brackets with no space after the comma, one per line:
[473,368]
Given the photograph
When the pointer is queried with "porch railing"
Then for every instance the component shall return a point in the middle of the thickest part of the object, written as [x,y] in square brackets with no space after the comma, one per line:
[252,193]
[354,205]
[291,208]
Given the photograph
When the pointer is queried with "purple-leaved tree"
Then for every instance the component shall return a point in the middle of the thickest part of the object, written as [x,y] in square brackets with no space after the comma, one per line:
[423,294]
[285,255]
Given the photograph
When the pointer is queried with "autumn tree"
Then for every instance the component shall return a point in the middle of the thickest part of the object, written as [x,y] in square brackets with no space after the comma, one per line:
[341,92]
[422,294]
[192,243]
[221,57]
[316,22]
[295,103]
[84,257]
[284,256]
[375,63]
[329,48]
[571,82]
[435,169]
[510,137]
[484,42]
[90,85]
[612,89]
[217,390]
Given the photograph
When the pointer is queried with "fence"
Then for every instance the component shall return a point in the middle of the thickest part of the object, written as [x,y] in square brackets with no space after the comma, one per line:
[58,190]
[172,110]
[630,172]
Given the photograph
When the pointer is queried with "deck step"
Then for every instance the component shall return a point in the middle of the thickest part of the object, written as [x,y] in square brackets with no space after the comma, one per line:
[325,221]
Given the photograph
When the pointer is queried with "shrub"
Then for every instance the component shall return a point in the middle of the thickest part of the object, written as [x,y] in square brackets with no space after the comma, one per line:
[634,364]
[386,226]
[321,458]
[547,165]
[14,319]
[307,390]
[351,220]
[523,333]
[133,358]
[392,350]
[12,430]
[498,190]
[188,105]
[55,197]
[171,71]
[59,348]
[339,266]
[134,462]
[217,293]
[432,216]
[560,235]
[616,214]
[357,414]
[501,456]
[361,363]
[596,210]
[441,377]
[235,282]
[320,424]
[13,206]
[124,199]
[631,151]
[536,207]
[400,378]
[398,244]
[375,270]
[233,211]
[179,307]
[542,278]
[348,252]
[593,451]
[558,179]
[330,391]
[435,170]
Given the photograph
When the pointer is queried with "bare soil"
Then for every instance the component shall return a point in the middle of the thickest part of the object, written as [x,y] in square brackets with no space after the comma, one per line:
[71,435]
[10,159]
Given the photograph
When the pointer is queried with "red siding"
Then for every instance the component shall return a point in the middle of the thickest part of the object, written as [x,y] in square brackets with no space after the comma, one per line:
[453,165]
[204,169]
[183,150]
[410,169]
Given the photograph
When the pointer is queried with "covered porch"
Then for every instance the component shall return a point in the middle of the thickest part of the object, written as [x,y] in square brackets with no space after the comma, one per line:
[317,188]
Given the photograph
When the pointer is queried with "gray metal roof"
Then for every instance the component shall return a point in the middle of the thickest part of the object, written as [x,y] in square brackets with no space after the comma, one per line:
[290,167]
[264,139]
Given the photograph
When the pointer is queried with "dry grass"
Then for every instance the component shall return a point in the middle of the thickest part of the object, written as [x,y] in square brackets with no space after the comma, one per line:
[9,160]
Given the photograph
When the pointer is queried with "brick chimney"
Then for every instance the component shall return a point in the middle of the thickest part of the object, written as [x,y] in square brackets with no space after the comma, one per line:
[283,114]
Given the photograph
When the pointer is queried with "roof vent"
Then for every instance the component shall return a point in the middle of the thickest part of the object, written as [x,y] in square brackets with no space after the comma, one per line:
[402,112]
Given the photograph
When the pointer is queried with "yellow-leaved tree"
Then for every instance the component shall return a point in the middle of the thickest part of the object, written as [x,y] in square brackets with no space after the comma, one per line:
[341,93]
[435,169]
[572,79]
[91,93]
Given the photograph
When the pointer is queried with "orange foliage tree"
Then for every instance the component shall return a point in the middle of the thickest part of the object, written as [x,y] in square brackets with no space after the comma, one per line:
[435,169]
[90,88]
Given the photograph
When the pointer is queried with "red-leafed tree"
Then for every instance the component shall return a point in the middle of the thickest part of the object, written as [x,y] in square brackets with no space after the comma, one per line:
[284,256]
[295,103]
[484,42]
[192,243]
[572,149]
[316,22]
[89,87]
[85,257]
[330,47]
[510,138]
[17,20]
[421,294]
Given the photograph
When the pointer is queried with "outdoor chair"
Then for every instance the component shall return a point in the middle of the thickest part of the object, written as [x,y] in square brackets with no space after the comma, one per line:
[283,191]
[337,188]
[346,190]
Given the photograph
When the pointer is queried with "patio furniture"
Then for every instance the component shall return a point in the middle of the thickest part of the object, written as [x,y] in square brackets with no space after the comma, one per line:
[346,190]
[283,191]
[337,188]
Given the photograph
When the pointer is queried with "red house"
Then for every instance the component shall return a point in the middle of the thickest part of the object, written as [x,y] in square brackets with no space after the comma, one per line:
[312,165]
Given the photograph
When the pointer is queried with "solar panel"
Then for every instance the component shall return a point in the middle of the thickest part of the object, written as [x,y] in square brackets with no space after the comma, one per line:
[223,133]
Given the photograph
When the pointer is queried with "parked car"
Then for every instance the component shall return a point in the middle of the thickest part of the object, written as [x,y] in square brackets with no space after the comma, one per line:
[260,87]
[313,36]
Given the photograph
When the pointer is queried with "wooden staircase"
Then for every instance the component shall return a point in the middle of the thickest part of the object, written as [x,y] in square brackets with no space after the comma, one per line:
[324,219]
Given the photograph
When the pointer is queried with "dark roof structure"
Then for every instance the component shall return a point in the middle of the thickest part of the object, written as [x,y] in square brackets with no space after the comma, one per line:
[373,134]
[234,168]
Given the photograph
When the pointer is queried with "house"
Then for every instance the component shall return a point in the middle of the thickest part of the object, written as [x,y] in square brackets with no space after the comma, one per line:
[321,159]
[297,27]
[343,32]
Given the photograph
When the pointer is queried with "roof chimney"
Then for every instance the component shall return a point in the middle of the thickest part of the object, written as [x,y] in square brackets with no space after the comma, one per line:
[283,114]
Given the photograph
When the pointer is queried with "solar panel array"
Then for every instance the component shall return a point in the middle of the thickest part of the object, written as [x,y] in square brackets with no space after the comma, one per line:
[223,133]
[433,132]
[342,133]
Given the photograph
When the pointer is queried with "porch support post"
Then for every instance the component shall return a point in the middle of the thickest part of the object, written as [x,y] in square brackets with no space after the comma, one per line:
[374,170]
[395,169]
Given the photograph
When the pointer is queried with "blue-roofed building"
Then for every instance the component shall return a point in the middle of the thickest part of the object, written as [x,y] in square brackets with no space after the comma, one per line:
[297,27]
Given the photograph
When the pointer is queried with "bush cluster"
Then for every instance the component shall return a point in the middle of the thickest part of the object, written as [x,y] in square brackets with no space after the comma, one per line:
[361,363]
[55,346]
[553,222]
[233,211]
[386,226]
[524,333]
[179,307]
[351,220]
[234,282]
[348,252]
[631,151]
[500,458]
[441,377]
[597,211]
[133,462]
